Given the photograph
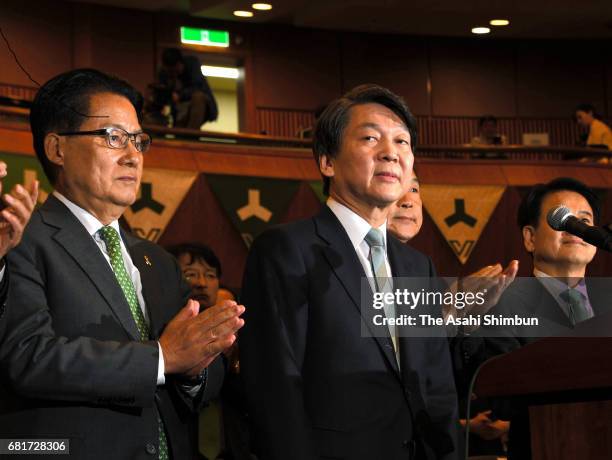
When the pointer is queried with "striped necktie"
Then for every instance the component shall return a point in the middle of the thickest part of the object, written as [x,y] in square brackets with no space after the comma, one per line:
[113,247]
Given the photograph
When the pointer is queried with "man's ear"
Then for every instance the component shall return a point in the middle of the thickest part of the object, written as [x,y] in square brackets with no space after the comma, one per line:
[54,149]
[326,165]
[529,238]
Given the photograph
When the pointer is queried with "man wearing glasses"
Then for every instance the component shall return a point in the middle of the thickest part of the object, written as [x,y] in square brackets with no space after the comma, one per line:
[101,347]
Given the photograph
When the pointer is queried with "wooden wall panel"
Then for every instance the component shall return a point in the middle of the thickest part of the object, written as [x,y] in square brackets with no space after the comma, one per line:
[472,78]
[554,76]
[295,68]
[128,55]
[41,37]
[393,61]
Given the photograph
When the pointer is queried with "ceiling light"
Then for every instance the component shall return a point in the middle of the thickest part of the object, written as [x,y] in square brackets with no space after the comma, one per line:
[499,22]
[221,72]
[243,14]
[481,30]
[261,6]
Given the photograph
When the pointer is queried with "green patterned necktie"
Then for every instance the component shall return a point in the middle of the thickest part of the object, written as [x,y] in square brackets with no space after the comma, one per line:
[113,247]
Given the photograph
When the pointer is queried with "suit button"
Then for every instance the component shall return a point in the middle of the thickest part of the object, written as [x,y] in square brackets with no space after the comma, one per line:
[151,449]
[407,392]
[406,443]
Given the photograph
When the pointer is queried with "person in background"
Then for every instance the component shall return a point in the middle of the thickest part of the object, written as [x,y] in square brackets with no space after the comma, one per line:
[405,221]
[599,134]
[488,133]
[559,294]
[225,294]
[192,100]
[406,215]
[202,270]
[487,435]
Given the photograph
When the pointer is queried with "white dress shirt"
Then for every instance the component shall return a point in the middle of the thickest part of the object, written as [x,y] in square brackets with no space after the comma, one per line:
[357,228]
[92,225]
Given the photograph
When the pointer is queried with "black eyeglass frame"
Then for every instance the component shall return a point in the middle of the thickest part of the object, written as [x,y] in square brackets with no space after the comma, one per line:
[106,132]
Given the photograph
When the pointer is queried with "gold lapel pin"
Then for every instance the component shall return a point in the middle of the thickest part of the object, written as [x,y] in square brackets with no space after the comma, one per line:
[147,261]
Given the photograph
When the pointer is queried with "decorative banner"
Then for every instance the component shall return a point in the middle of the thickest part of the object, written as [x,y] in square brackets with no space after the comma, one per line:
[461,212]
[253,204]
[317,188]
[161,192]
[24,170]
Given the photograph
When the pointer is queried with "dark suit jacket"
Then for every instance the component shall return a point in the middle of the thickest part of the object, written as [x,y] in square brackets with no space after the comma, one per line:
[529,298]
[72,366]
[316,387]
[526,297]
[4,284]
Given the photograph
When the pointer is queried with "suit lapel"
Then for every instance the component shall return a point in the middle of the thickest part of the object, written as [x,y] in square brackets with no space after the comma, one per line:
[151,288]
[547,306]
[598,290]
[345,264]
[75,240]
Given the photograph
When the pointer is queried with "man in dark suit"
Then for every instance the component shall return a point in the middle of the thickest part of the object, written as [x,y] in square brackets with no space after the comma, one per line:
[319,385]
[558,295]
[100,344]
[15,213]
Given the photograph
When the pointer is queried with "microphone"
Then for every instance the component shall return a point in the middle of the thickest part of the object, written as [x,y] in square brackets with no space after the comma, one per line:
[562,219]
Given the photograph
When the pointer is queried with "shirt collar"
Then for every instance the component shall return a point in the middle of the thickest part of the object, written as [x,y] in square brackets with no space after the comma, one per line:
[88,220]
[557,287]
[356,226]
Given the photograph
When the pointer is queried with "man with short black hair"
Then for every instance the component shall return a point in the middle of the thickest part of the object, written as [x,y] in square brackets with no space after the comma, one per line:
[202,270]
[101,346]
[317,387]
[559,295]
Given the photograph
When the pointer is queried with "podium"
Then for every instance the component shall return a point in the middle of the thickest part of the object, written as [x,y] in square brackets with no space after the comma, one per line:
[566,383]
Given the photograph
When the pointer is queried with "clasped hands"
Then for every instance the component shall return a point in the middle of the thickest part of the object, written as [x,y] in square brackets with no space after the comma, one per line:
[192,340]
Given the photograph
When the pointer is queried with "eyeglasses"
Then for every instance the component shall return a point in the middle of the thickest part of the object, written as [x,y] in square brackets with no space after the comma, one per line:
[116,138]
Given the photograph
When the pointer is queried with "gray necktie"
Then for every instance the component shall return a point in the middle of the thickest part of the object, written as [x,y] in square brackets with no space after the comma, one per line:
[577,306]
[375,240]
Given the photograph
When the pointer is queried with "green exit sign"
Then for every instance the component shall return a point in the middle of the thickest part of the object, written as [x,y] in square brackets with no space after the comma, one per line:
[205,37]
